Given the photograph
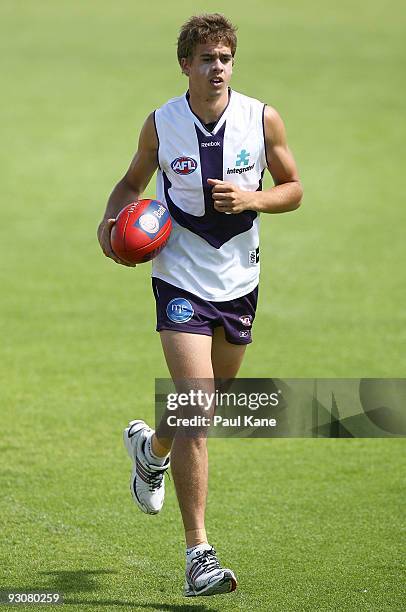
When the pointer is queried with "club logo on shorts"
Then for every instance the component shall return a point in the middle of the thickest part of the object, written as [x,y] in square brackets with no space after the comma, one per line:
[184,165]
[246,320]
[149,223]
[179,310]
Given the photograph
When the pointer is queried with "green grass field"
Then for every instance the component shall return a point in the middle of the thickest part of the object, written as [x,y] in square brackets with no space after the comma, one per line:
[305,524]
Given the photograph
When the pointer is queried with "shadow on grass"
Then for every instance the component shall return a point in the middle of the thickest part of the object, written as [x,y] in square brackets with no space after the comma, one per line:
[65,581]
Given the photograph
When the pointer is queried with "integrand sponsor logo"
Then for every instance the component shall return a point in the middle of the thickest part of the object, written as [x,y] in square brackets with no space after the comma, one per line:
[213,143]
[239,170]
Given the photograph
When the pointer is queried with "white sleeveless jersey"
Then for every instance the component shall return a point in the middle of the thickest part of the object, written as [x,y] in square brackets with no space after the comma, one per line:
[213,255]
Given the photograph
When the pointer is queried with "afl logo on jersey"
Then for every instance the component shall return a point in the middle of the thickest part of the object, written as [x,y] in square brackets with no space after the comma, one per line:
[184,165]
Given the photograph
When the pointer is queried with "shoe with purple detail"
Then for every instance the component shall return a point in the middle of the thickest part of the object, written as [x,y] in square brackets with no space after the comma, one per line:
[147,480]
[205,576]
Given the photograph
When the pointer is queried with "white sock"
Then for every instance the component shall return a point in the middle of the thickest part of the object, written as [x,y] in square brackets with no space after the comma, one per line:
[150,455]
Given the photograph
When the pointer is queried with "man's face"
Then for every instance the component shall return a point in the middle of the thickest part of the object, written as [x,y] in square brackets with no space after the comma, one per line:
[209,70]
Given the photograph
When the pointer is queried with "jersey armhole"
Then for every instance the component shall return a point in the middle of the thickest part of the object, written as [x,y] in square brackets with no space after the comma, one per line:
[157,137]
[263,133]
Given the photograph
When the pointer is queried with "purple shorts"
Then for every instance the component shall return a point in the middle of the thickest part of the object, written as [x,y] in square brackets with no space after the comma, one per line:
[179,310]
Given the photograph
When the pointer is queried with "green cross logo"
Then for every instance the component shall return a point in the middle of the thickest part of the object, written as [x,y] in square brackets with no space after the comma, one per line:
[242,158]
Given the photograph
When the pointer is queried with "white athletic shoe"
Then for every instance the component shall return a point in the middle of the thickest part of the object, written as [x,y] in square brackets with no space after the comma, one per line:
[147,480]
[205,576]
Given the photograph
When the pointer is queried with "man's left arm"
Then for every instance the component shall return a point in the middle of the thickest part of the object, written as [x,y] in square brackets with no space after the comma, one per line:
[287,193]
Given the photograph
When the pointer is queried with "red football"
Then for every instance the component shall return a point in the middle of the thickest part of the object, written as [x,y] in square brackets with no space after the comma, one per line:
[141,231]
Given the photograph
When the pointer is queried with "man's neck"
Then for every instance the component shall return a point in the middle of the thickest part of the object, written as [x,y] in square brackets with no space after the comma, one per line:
[208,110]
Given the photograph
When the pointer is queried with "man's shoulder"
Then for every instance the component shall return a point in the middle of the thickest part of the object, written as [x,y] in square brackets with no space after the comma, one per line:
[246,108]
[173,103]
[246,100]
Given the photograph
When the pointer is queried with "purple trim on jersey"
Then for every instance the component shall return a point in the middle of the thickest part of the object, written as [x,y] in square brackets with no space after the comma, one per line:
[187,96]
[260,180]
[263,131]
[236,316]
[214,227]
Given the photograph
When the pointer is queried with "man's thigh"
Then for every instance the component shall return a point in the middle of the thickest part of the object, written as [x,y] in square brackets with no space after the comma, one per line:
[197,356]
[193,360]
[189,362]
[188,356]
[226,357]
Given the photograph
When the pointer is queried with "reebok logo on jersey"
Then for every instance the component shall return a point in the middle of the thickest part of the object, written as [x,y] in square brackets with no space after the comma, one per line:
[213,143]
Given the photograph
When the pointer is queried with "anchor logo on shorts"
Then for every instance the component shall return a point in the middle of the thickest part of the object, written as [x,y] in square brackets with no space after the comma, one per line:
[246,320]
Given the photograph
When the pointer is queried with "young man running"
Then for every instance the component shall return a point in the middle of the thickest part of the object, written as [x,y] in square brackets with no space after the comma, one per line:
[211,147]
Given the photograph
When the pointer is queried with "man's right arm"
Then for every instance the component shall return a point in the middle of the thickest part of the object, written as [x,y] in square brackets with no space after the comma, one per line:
[131,186]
